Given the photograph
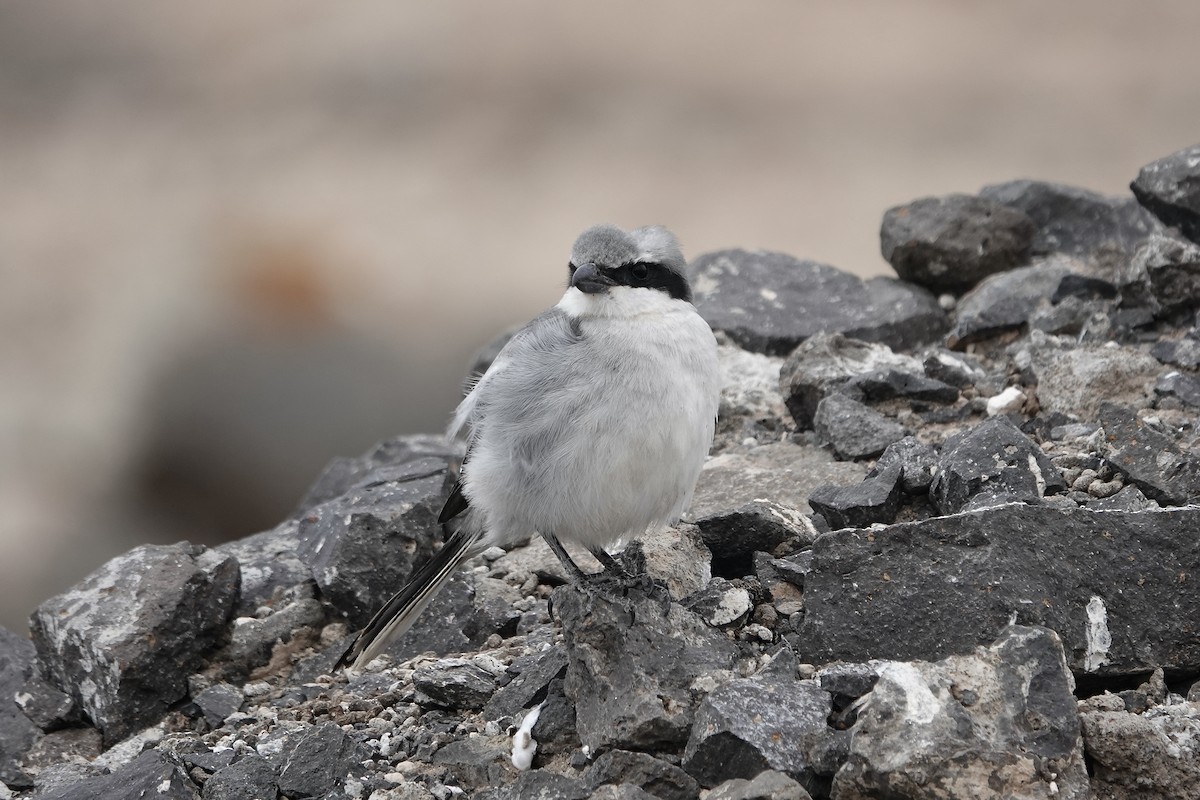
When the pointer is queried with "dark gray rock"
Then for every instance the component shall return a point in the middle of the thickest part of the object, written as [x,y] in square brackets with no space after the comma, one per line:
[950,243]
[17,732]
[318,760]
[827,361]
[1181,386]
[876,499]
[46,705]
[534,673]
[254,640]
[152,774]
[344,474]
[887,384]
[477,761]
[854,430]
[954,369]
[455,683]
[620,791]
[1103,231]
[1006,302]
[1100,579]
[1170,189]
[771,302]
[218,701]
[269,567]
[251,777]
[653,775]
[999,723]
[917,461]
[632,665]
[1149,458]
[745,726]
[993,462]
[364,544]
[555,729]
[847,681]
[768,785]
[442,627]
[1083,287]
[734,536]
[1129,498]
[1183,352]
[1169,268]
[123,641]
[540,784]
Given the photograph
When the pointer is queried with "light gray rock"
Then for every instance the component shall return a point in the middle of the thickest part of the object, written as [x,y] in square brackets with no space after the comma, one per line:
[1155,755]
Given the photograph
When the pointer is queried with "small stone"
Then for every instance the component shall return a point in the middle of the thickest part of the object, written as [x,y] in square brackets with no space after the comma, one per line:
[876,499]
[853,430]
[456,683]
[1009,401]
[1170,189]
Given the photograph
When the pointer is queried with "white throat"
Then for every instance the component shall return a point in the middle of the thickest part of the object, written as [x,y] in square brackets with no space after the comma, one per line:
[618,302]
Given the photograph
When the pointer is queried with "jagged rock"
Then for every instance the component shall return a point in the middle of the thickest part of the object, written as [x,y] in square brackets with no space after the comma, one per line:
[999,723]
[534,674]
[653,775]
[47,706]
[768,785]
[151,774]
[1170,189]
[269,567]
[749,386]
[318,759]
[478,761]
[457,682]
[917,461]
[1183,352]
[848,682]
[363,545]
[1181,386]
[620,791]
[253,641]
[17,732]
[876,499]
[218,701]
[1149,458]
[249,778]
[734,536]
[1155,756]
[1104,231]
[993,462]
[720,603]
[887,384]
[160,609]
[540,784]
[852,429]
[1076,380]
[771,302]
[1129,498]
[950,243]
[631,667]
[969,574]
[1007,301]
[555,729]
[769,721]
[783,473]
[826,361]
[1170,268]
[953,369]
[677,556]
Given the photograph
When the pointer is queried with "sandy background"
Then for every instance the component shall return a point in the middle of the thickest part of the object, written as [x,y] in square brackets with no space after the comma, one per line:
[239,239]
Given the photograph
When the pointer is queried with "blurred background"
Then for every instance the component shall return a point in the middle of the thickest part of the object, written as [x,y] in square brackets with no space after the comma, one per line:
[237,240]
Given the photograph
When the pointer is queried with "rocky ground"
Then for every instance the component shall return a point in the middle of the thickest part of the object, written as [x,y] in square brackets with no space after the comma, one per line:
[946,546]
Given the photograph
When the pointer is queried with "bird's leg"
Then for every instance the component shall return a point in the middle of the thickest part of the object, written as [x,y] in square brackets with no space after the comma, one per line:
[610,564]
[577,576]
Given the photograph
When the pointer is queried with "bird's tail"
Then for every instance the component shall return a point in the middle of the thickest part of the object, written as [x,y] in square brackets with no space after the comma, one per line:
[399,613]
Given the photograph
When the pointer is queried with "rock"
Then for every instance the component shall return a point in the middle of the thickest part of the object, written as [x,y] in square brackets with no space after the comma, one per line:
[1103,231]
[555,729]
[1099,579]
[269,566]
[992,463]
[917,461]
[251,777]
[784,473]
[46,706]
[1010,401]
[749,386]
[218,702]
[999,723]
[1076,380]
[17,732]
[1181,386]
[457,682]
[771,302]
[255,641]
[160,608]
[1129,498]
[540,784]
[720,603]
[1170,266]
[534,673]
[151,774]
[1007,301]
[827,361]
[875,500]
[852,429]
[654,776]
[1170,189]
[1183,352]
[319,759]
[1148,458]
[364,544]
[442,626]
[478,761]
[890,383]
[1155,756]
[952,369]
[950,243]
[745,726]
[768,785]
[677,556]
[632,666]
[734,536]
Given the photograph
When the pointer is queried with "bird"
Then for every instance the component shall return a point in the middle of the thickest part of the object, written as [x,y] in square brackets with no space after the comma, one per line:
[590,426]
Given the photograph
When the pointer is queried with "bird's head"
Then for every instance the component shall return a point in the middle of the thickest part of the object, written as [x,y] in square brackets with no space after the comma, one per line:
[607,261]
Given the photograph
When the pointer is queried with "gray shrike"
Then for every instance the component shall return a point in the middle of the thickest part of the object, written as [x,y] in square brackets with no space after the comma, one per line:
[590,426]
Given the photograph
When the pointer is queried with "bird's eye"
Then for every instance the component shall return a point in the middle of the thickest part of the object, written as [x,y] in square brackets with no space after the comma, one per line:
[639,272]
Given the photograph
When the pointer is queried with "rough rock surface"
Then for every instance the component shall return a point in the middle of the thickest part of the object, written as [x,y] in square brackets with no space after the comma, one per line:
[1170,188]
[1045,481]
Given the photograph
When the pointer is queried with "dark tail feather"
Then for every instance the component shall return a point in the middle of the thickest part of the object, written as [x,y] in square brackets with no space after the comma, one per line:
[399,613]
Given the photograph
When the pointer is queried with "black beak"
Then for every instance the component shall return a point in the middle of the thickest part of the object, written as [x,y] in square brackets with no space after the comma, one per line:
[588,279]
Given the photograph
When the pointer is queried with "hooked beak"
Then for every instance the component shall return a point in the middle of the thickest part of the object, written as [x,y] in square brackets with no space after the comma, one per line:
[588,279]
